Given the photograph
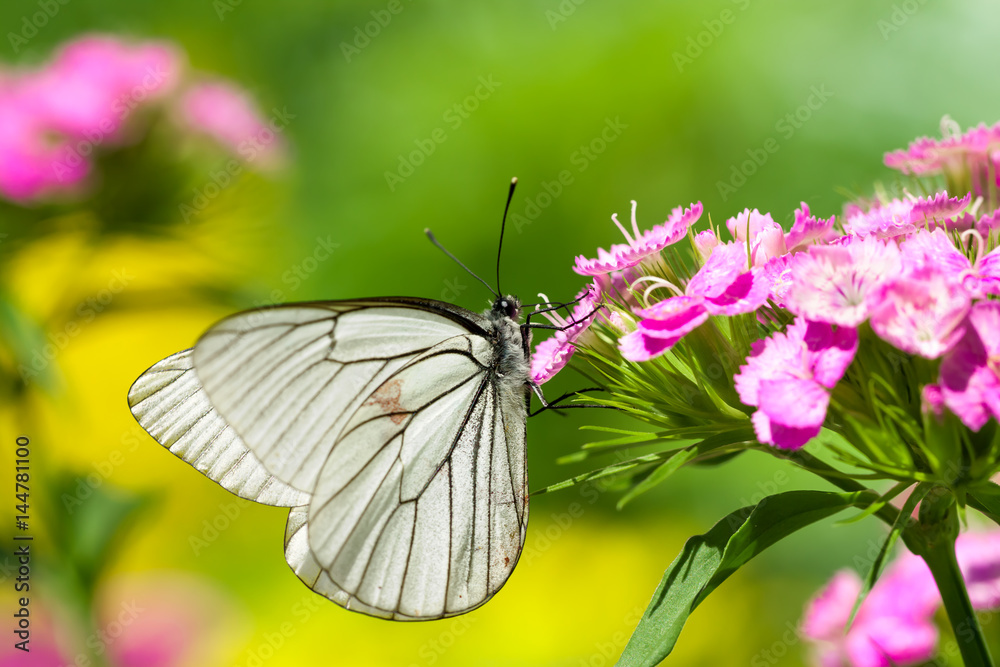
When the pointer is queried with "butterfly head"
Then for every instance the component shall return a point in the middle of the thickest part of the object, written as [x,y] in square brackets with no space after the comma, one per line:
[507,306]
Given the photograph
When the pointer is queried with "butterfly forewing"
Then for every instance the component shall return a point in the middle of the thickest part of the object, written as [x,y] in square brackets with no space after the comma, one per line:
[288,378]
[386,420]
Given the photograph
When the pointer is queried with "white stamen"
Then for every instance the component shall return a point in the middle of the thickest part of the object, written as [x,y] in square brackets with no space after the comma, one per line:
[614,218]
[980,242]
[657,283]
[974,211]
[635,225]
[552,316]
[949,128]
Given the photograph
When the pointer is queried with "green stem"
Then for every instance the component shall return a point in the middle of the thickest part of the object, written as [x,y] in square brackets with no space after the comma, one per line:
[934,539]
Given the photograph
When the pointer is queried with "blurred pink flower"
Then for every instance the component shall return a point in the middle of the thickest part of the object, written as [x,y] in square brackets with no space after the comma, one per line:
[904,216]
[31,160]
[228,115]
[893,626]
[640,244]
[971,157]
[152,620]
[95,82]
[978,555]
[52,118]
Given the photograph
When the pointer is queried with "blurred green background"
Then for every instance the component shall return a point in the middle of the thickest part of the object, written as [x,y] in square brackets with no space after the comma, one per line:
[681,92]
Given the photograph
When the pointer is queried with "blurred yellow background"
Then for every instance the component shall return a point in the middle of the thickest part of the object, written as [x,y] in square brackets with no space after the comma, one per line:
[419,123]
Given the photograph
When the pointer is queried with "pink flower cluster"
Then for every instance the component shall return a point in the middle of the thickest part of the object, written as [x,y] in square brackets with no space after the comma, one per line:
[919,272]
[54,118]
[895,623]
[970,158]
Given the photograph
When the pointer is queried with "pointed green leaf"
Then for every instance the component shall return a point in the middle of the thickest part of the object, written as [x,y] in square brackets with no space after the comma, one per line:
[662,472]
[986,499]
[707,560]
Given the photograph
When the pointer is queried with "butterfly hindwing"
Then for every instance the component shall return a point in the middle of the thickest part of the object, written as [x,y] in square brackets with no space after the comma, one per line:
[170,404]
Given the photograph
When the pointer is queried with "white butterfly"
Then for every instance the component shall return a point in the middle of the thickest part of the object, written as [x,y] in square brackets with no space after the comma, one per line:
[393,428]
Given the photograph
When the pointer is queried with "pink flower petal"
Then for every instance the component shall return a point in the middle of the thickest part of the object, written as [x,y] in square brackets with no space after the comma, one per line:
[827,613]
[639,346]
[550,357]
[727,285]
[830,351]
[640,244]
[809,398]
[921,313]
[979,559]
[705,242]
[808,229]
[782,437]
[229,115]
[831,283]
[767,239]
[969,380]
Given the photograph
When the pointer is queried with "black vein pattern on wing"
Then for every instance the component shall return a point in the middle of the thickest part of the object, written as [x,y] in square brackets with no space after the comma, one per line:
[388,415]
[416,499]
[510,473]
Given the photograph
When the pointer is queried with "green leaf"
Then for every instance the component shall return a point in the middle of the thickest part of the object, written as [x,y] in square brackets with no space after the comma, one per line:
[707,560]
[659,474]
[986,499]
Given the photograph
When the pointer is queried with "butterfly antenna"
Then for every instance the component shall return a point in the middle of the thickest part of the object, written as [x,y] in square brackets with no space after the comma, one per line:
[503,223]
[440,247]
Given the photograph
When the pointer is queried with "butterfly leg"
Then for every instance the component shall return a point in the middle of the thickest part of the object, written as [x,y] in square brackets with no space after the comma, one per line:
[551,405]
[528,324]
